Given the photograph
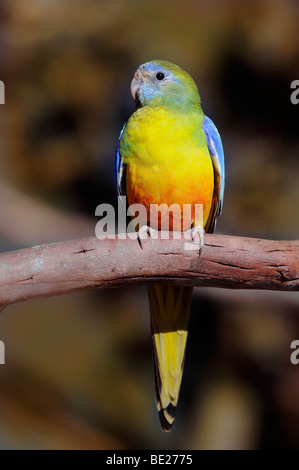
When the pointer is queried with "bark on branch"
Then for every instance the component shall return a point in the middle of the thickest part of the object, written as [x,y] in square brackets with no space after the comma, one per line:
[225,261]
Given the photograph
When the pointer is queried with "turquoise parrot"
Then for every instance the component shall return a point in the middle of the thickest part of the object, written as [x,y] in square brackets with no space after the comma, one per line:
[168,153]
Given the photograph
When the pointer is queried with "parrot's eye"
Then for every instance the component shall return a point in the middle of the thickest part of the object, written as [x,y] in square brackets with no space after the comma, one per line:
[160,76]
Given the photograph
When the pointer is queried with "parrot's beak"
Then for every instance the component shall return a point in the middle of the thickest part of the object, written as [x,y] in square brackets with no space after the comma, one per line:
[135,84]
[134,88]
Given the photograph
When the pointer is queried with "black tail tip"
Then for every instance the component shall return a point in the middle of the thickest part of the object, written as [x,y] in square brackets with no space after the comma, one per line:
[167,416]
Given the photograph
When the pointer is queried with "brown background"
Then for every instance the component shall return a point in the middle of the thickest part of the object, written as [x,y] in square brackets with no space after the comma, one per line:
[78,370]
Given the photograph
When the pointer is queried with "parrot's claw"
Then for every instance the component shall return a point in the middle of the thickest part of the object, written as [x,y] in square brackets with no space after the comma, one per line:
[143,233]
[196,231]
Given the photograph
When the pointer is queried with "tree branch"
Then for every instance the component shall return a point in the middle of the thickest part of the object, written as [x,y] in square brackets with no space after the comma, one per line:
[225,261]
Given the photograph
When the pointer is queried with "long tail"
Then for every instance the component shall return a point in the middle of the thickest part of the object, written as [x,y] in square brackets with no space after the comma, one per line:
[169,308]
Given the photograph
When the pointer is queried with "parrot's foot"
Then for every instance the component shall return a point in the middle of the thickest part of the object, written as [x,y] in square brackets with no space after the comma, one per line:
[143,233]
[199,231]
[196,232]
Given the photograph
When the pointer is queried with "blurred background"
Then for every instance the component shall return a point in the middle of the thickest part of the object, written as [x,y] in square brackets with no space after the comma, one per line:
[78,372]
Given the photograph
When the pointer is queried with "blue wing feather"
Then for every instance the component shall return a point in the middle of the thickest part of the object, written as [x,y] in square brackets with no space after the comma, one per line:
[217,156]
[119,168]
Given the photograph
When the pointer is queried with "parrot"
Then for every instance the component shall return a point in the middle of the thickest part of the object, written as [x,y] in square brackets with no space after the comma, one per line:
[169,152]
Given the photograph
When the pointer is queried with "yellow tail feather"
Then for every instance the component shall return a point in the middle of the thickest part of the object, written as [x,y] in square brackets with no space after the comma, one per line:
[169,308]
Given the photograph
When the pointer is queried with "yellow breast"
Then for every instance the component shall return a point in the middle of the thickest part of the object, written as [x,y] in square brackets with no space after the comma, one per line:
[168,162]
